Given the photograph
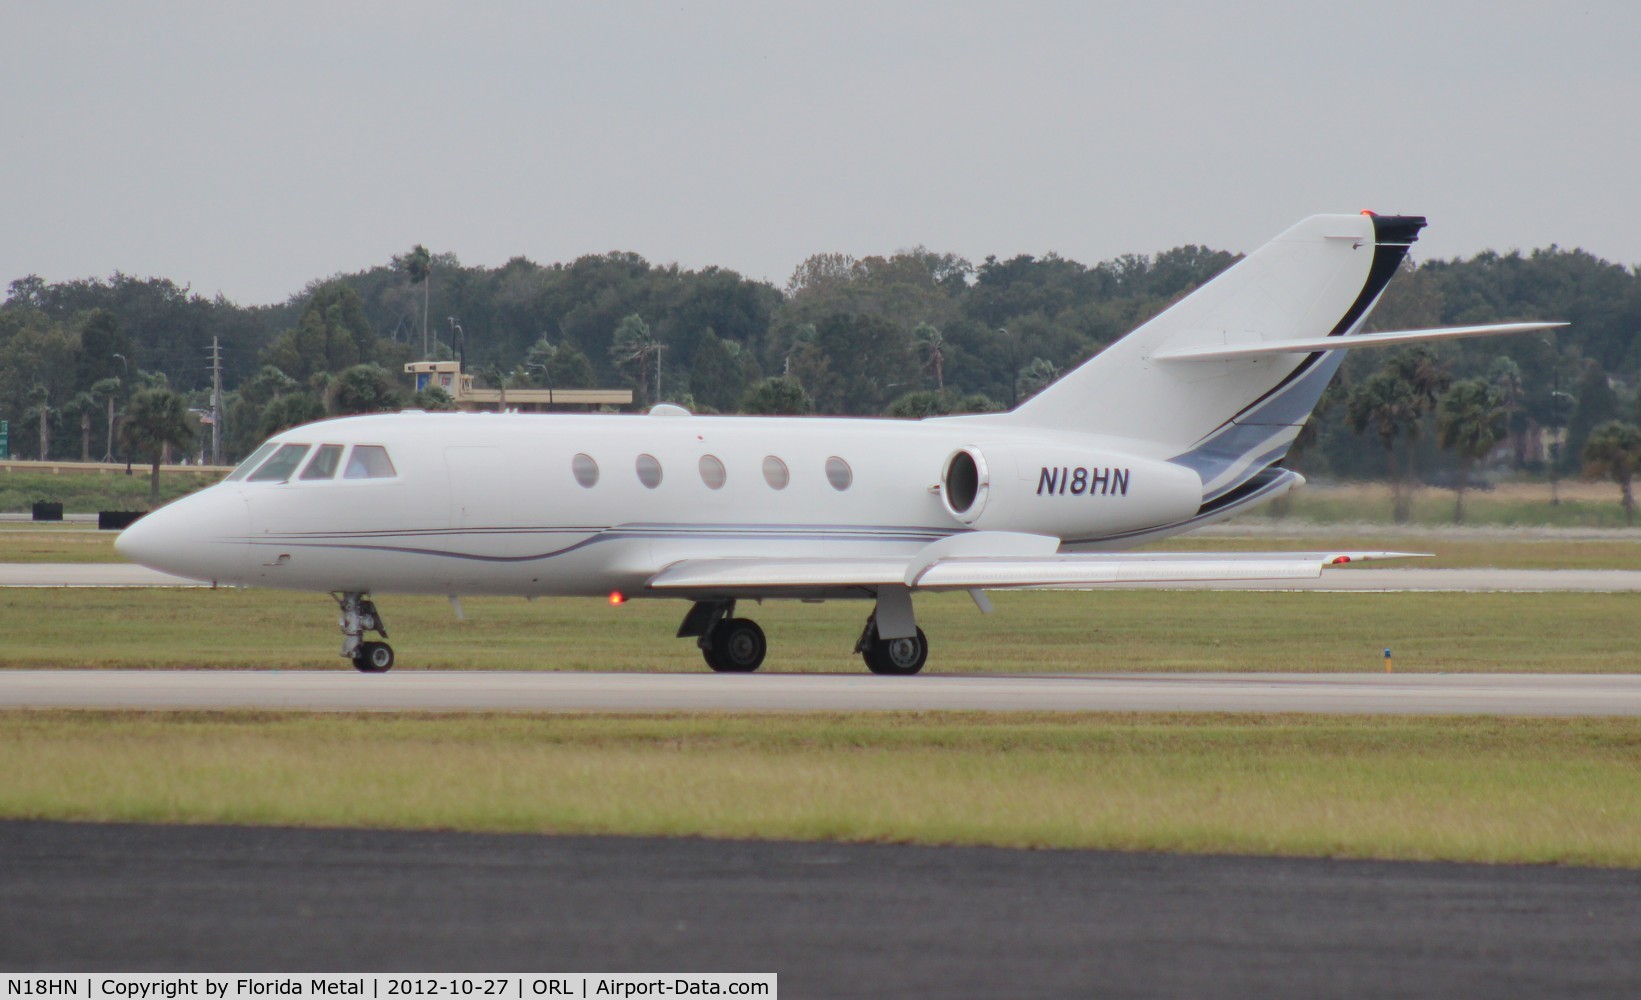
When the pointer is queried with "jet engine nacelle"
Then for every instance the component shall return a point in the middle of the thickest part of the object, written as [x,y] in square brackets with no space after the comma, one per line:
[1065,491]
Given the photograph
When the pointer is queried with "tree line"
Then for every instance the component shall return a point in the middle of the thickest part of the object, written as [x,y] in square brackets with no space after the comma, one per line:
[912,334]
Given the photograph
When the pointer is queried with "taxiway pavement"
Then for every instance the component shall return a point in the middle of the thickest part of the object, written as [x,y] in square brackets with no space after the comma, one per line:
[844,920]
[89,575]
[344,690]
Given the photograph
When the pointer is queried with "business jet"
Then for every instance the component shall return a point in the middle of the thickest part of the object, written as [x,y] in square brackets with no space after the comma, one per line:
[1183,422]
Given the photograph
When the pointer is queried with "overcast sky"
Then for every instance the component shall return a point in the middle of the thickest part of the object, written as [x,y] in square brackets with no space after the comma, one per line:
[247,149]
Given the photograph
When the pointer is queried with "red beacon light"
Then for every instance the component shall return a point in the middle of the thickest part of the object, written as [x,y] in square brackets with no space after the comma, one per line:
[1340,560]
[617,598]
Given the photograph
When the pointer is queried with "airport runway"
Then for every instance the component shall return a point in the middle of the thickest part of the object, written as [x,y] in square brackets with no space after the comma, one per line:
[344,690]
[833,920]
[1343,581]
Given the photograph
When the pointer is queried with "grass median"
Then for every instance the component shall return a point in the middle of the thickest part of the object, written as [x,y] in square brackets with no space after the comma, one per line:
[1048,631]
[1517,790]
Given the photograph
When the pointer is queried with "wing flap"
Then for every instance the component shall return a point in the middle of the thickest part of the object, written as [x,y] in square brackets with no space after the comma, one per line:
[1003,572]
[774,574]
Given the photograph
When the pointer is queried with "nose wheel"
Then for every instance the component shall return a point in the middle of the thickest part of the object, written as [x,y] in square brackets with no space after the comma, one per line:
[373,658]
[359,616]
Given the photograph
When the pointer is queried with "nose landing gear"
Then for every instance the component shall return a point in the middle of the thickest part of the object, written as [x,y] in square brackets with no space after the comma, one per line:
[358,617]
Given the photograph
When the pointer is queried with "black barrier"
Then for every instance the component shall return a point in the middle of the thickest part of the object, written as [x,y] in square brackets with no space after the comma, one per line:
[47,510]
[114,520]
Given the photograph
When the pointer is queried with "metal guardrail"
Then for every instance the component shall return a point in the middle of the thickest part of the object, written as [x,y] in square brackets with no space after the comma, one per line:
[137,468]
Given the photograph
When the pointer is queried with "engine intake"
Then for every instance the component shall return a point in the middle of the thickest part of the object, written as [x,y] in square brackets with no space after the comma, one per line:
[965,485]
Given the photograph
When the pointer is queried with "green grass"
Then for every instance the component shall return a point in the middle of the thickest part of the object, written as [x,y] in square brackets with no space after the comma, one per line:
[89,492]
[1582,504]
[1050,631]
[1526,790]
[56,542]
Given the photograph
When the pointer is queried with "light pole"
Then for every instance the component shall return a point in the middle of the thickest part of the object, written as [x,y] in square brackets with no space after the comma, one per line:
[546,373]
[126,385]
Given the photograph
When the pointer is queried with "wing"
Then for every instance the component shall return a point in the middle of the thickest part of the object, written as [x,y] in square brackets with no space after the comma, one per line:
[1262,348]
[996,561]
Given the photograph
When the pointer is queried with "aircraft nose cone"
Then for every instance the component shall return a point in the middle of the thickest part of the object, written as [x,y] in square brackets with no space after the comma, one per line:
[202,537]
[145,541]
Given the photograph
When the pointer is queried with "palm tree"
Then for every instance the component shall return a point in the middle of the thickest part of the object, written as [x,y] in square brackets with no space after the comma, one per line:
[1506,377]
[1037,376]
[635,344]
[1394,401]
[1387,404]
[40,396]
[83,405]
[1421,369]
[1614,450]
[501,380]
[1470,419]
[155,421]
[108,389]
[933,345]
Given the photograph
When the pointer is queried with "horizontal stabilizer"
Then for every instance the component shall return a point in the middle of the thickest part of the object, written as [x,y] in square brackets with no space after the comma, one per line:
[1002,572]
[1261,348]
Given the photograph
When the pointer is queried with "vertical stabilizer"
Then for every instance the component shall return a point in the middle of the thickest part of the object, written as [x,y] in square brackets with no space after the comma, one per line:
[1230,418]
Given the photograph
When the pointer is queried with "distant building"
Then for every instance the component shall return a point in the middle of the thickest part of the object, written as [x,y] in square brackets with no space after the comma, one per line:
[448,375]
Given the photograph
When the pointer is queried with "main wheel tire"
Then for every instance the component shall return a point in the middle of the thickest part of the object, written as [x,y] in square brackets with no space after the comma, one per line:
[897,657]
[736,646]
[373,658]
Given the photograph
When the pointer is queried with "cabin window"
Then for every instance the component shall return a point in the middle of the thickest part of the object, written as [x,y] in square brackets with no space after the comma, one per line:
[278,469]
[585,469]
[775,473]
[251,463]
[369,461]
[324,463]
[839,474]
[649,471]
[712,472]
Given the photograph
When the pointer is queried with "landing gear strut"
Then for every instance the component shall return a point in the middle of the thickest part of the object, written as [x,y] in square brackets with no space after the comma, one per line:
[894,657]
[358,617]
[729,645]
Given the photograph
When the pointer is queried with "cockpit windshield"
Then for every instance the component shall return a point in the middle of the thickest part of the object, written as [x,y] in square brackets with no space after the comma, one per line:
[251,463]
[278,469]
[324,462]
[277,462]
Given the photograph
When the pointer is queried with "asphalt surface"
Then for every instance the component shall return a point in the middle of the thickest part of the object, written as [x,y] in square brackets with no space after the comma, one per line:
[831,920]
[549,691]
[89,575]
[1340,581]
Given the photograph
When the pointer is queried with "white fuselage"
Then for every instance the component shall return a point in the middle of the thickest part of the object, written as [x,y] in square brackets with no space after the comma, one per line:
[491,504]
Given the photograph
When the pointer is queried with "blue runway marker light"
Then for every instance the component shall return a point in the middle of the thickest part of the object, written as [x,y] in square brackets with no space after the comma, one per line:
[1388,661]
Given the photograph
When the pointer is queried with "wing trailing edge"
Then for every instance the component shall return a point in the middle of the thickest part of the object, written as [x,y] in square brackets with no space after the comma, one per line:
[1266,348]
[1000,572]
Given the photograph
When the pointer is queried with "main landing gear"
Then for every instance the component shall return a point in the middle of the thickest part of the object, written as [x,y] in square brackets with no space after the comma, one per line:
[730,645]
[733,645]
[358,617]
[893,657]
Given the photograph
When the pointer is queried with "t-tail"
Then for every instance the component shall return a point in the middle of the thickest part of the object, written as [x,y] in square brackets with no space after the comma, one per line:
[1222,381]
